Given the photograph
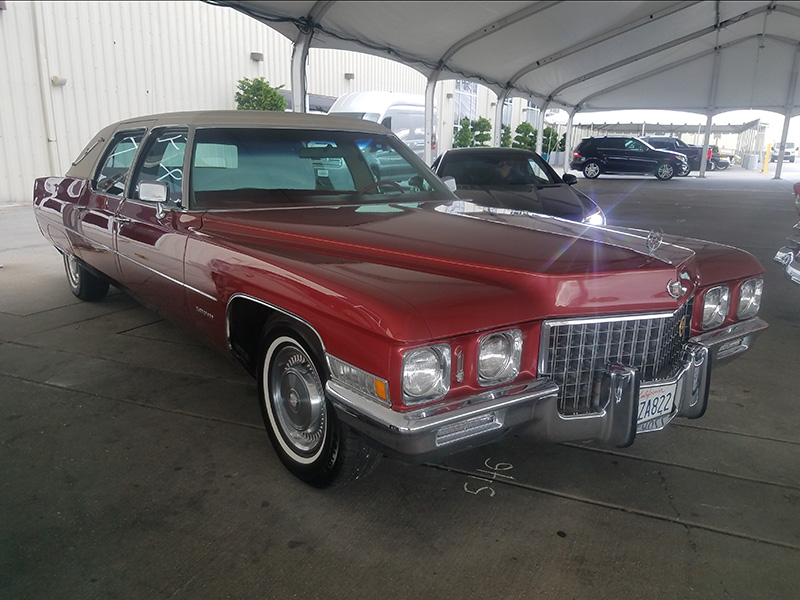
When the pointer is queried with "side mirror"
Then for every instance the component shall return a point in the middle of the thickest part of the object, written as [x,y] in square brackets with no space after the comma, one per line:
[569,179]
[450,182]
[155,192]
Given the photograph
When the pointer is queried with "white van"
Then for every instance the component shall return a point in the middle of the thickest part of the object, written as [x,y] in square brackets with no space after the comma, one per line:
[404,114]
[789,153]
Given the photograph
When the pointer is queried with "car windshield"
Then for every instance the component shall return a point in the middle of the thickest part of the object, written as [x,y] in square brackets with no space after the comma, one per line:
[496,170]
[257,167]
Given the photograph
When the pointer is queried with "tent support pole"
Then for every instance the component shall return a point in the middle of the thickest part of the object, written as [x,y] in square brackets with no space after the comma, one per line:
[298,72]
[497,129]
[430,139]
[540,133]
[787,115]
[568,140]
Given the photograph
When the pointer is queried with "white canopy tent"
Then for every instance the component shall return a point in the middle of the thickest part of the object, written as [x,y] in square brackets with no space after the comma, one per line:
[705,57]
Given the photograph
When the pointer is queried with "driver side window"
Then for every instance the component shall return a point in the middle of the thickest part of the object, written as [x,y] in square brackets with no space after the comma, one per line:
[634,145]
[163,162]
[113,173]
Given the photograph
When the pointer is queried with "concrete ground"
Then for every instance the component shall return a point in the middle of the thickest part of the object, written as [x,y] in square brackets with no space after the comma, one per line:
[135,464]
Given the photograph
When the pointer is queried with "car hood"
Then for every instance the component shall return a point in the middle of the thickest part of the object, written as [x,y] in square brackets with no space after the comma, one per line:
[671,153]
[553,200]
[456,263]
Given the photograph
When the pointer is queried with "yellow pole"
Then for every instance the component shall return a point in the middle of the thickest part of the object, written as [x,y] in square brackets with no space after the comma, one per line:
[766,158]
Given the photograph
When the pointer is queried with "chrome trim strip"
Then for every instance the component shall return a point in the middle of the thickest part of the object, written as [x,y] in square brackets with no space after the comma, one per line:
[612,319]
[273,307]
[167,277]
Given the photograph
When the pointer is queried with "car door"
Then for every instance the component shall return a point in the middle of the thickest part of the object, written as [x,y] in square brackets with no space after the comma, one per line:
[151,236]
[639,157]
[614,155]
[96,209]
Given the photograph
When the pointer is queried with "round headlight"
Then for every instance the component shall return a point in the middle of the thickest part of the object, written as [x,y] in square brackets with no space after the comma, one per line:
[750,298]
[426,374]
[499,357]
[715,306]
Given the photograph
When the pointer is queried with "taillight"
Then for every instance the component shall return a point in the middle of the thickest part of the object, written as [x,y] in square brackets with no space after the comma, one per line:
[576,155]
[709,154]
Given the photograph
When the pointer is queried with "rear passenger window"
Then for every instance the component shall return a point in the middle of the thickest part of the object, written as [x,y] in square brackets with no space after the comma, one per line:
[114,168]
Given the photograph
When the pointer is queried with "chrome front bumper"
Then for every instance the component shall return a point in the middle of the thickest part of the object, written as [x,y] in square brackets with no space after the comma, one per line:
[430,433]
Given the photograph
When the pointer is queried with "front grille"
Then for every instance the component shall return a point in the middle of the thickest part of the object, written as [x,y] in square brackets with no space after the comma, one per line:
[575,353]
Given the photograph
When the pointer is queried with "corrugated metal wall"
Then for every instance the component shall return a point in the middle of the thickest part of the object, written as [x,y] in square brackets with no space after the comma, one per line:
[123,59]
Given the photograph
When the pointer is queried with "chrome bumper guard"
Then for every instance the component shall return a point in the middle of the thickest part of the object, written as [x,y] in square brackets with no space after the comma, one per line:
[433,432]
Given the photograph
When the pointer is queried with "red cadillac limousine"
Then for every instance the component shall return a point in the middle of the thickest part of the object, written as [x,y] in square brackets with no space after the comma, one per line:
[384,315]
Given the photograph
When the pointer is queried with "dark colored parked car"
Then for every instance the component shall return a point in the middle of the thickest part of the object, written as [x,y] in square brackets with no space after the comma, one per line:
[530,184]
[625,155]
[694,154]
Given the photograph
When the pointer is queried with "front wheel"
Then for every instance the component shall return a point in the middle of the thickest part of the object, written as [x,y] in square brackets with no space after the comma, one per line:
[302,425]
[83,284]
[665,171]
[591,170]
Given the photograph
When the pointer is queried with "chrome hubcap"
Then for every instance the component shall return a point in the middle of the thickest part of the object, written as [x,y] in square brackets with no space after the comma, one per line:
[73,271]
[298,399]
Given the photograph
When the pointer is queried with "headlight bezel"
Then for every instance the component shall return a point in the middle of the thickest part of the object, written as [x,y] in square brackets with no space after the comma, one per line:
[596,218]
[749,302]
[511,361]
[439,383]
[715,314]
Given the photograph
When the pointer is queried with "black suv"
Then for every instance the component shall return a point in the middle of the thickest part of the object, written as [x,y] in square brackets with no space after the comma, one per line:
[626,155]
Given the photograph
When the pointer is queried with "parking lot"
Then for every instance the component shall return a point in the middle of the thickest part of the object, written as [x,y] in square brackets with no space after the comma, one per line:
[136,465]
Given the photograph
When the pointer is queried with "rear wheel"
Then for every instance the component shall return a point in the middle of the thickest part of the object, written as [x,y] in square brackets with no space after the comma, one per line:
[591,170]
[83,284]
[665,171]
[302,425]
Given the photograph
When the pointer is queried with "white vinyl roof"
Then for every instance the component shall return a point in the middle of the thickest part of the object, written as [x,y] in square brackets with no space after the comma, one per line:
[705,57]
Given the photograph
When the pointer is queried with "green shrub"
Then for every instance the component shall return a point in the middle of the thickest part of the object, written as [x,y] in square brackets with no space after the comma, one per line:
[258,94]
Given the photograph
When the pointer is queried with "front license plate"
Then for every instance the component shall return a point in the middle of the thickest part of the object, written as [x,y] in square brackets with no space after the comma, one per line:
[654,403]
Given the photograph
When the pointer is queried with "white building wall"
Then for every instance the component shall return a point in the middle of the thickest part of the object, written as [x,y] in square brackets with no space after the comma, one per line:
[326,71]
[125,59]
